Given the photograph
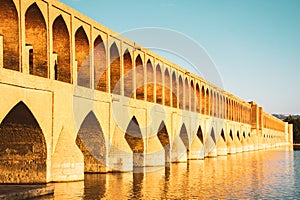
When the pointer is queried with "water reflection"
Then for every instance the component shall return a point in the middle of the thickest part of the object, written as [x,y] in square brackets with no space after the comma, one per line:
[252,175]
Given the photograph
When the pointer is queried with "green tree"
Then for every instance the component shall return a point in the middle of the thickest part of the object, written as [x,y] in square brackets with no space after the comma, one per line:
[296,127]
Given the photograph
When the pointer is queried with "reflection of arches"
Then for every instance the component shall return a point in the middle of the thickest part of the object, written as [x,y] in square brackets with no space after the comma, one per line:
[200,134]
[223,135]
[167,87]
[150,82]
[184,137]
[213,136]
[163,137]
[158,85]
[82,57]
[9,28]
[61,46]
[134,138]
[115,69]
[139,75]
[23,151]
[90,140]
[36,35]
[174,90]
[100,73]
[128,75]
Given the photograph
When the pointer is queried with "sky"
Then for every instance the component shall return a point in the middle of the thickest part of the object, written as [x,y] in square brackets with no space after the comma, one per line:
[254,44]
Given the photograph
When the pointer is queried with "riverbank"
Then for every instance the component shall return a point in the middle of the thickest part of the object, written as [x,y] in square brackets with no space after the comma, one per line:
[16,192]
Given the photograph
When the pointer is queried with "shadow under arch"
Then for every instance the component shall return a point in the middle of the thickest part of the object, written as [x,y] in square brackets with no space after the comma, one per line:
[23,150]
[134,138]
[90,139]
[163,137]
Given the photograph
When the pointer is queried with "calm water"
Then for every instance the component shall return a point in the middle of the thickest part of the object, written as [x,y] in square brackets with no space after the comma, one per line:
[269,174]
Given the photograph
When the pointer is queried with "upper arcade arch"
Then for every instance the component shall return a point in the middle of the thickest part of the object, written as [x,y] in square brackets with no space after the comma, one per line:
[9,29]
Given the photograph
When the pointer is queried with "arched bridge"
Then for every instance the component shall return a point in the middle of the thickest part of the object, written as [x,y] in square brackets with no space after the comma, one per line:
[77,97]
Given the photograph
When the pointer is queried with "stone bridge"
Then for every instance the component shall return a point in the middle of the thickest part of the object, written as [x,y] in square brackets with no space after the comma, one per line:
[77,97]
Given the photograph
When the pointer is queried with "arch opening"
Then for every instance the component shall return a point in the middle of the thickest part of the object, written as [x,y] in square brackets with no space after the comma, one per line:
[90,140]
[167,88]
[9,29]
[174,91]
[200,134]
[213,136]
[187,95]
[181,93]
[230,134]
[139,75]
[150,82]
[100,73]
[23,150]
[185,139]
[159,99]
[134,138]
[223,135]
[82,58]
[128,75]
[163,137]
[36,36]
[61,46]
[115,69]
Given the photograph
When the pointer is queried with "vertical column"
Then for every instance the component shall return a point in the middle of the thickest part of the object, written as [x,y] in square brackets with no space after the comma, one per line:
[92,64]
[121,80]
[74,63]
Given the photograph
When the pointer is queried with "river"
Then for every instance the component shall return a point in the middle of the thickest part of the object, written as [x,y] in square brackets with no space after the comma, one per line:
[264,174]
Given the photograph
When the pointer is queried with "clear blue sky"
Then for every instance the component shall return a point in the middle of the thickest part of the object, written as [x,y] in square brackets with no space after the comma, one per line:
[255,44]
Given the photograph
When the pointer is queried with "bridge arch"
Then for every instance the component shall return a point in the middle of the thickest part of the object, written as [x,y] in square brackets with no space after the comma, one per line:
[134,138]
[181,93]
[128,75]
[150,82]
[223,135]
[213,135]
[174,90]
[230,134]
[185,139]
[198,99]
[22,138]
[164,139]
[9,29]
[82,57]
[158,85]
[193,96]
[200,135]
[36,36]
[167,88]
[90,140]
[115,69]
[202,100]
[139,75]
[186,94]
[100,72]
[61,46]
